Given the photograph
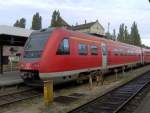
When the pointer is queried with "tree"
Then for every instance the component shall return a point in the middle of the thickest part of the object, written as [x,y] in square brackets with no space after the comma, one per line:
[59,20]
[20,23]
[16,24]
[134,35]
[114,34]
[144,46]
[36,22]
[53,21]
[121,36]
[132,38]
[56,19]
[110,36]
[126,36]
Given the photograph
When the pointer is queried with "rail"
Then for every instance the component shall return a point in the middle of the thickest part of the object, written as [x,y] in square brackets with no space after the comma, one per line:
[113,101]
[18,96]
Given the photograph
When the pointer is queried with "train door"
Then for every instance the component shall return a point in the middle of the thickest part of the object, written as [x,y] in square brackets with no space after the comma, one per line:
[104,55]
[142,56]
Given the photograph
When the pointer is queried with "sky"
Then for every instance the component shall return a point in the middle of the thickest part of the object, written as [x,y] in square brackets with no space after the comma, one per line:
[77,11]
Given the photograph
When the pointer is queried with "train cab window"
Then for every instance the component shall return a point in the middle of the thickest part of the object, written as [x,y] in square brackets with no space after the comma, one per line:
[82,49]
[64,48]
[94,50]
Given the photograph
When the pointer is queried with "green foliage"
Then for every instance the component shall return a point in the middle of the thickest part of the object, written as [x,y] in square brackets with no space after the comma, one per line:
[108,35]
[36,22]
[16,24]
[126,36]
[56,19]
[144,46]
[20,23]
[134,35]
[114,34]
[121,36]
[132,38]
[111,36]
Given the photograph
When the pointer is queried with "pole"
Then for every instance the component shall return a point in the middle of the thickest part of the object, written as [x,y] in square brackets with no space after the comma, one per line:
[97,79]
[116,74]
[1,59]
[123,72]
[90,82]
[48,92]
[102,78]
[108,26]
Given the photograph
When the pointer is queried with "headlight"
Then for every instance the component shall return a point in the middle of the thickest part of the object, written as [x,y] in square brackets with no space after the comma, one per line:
[35,65]
[22,65]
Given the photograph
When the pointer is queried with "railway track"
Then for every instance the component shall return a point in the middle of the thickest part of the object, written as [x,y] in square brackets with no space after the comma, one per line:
[115,100]
[18,96]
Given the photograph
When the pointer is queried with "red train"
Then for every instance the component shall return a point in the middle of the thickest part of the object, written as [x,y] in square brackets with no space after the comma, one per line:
[63,55]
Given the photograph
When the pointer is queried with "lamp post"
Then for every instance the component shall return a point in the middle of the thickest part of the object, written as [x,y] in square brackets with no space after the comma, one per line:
[108,26]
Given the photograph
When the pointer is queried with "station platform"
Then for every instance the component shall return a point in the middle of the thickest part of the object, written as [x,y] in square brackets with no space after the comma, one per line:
[10,78]
[144,107]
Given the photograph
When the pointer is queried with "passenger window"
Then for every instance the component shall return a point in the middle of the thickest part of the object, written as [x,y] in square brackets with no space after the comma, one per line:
[64,48]
[115,52]
[82,49]
[94,50]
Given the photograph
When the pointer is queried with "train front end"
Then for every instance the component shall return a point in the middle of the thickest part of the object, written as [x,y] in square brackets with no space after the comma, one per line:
[30,61]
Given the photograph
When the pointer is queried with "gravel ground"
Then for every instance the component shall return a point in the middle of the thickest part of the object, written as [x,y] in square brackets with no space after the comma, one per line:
[144,106]
[36,105]
[134,105]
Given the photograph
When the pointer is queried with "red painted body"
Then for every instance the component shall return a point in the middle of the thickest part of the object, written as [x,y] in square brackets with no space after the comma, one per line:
[49,62]
[146,54]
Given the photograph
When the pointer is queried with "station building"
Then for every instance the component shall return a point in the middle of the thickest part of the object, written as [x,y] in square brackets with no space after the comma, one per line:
[12,40]
[92,28]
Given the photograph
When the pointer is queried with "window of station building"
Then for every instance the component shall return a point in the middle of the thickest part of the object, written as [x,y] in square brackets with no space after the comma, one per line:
[82,49]
[64,48]
[94,50]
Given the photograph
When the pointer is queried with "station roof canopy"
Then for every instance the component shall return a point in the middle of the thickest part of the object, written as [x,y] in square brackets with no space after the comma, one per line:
[14,36]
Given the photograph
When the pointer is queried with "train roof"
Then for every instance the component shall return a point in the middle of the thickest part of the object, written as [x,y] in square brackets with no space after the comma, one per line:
[90,36]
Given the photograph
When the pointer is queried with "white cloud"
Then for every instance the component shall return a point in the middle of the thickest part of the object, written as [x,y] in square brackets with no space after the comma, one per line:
[146,41]
[113,11]
[51,4]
